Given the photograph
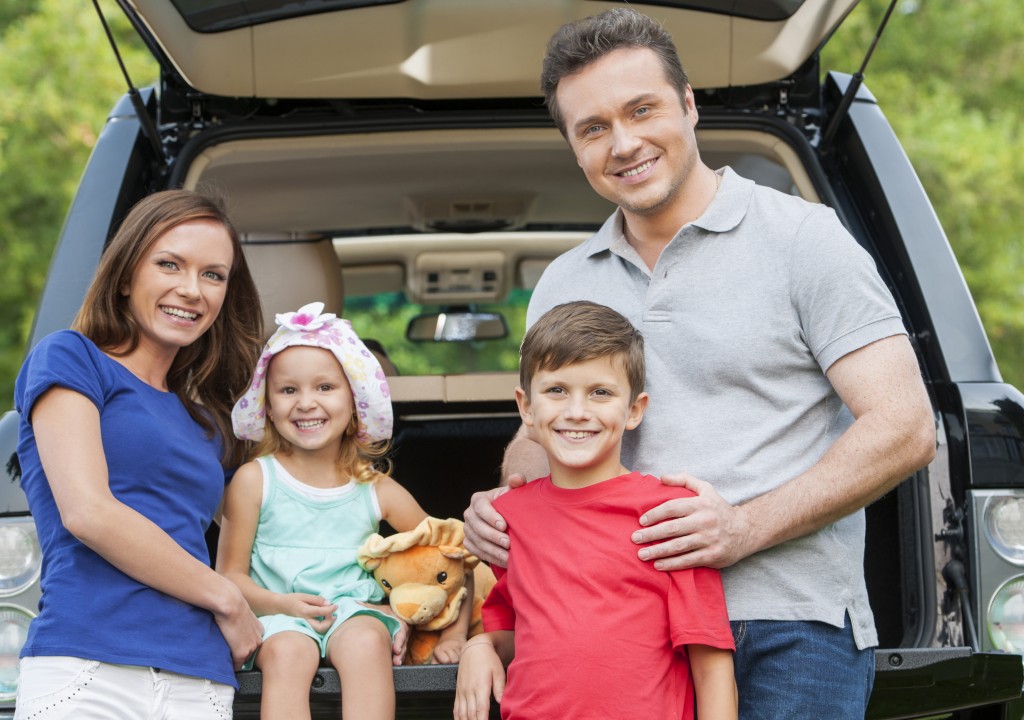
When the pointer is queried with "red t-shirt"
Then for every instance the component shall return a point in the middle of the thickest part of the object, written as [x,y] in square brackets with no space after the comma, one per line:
[599,633]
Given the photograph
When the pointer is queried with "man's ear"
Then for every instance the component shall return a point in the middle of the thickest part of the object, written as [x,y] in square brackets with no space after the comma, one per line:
[523,402]
[637,410]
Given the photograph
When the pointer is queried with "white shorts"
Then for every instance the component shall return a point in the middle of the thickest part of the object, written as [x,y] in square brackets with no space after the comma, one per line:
[68,687]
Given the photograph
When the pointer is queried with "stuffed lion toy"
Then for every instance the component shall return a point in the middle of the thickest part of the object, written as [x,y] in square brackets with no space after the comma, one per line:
[423,573]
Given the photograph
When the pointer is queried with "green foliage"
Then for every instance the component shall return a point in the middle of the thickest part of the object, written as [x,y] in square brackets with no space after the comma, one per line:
[948,76]
[58,80]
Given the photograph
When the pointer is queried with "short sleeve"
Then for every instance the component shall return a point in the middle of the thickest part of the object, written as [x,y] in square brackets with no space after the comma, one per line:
[696,609]
[498,613]
[64,359]
[840,298]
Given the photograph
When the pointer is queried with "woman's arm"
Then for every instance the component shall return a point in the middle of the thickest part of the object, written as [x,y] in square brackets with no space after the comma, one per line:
[714,682]
[71,453]
[239,521]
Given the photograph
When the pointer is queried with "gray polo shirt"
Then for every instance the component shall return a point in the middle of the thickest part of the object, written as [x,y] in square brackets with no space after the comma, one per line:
[745,310]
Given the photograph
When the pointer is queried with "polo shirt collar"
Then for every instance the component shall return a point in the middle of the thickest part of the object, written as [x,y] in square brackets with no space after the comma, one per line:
[725,212]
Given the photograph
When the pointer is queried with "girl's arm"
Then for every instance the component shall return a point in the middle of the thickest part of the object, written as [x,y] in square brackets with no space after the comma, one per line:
[714,682]
[72,457]
[397,505]
[241,516]
[452,639]
[482,672]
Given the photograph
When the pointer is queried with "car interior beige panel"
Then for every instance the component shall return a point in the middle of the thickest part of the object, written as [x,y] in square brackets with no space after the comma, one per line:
[370,180]
[766,51]
[764,145]
[416,388]
[481,387]
[292,274]
[208,62]
[372,279]
[449,48]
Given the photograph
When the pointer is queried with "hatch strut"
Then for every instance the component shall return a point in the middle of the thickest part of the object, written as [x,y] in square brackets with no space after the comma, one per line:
[148,127]
[853,87]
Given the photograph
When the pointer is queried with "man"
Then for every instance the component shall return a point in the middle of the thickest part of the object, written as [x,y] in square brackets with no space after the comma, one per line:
[781,378]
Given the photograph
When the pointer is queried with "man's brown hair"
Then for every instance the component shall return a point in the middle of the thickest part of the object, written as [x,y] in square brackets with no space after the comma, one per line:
[577,44]
[579,331]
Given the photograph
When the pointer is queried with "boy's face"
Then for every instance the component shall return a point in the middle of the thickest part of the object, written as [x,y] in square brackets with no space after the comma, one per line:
[578,414]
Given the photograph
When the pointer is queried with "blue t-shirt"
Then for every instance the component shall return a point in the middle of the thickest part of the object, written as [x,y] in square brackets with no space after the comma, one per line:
[160,463]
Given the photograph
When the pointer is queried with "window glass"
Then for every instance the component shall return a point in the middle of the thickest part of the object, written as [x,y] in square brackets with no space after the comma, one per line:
[384,318]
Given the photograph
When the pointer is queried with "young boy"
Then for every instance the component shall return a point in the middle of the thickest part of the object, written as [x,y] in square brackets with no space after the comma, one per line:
[586,629]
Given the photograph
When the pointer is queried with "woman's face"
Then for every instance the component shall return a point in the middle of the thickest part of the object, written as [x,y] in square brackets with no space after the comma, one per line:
[179,285]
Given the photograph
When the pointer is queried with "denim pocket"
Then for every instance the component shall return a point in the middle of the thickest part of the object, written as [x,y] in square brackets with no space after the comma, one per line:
[221,698]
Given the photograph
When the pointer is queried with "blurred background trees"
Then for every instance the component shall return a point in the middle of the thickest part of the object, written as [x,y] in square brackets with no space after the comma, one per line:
[949,75]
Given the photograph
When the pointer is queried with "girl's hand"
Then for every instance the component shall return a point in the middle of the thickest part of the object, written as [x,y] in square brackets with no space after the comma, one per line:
[448,650]
[399,644]
[312,608]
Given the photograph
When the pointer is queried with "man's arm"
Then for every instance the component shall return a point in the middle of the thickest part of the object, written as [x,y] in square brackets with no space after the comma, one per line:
[485,529]
[892,436]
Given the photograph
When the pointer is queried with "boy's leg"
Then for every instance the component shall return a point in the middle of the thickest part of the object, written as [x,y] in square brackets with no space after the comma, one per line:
[801,671]
[288,661]
[360,650]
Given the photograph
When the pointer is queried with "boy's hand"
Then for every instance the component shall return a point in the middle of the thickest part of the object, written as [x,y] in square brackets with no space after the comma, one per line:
[312,608]
[480,672]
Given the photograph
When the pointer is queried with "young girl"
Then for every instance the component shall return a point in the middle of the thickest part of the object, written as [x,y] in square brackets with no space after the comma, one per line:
[295,516]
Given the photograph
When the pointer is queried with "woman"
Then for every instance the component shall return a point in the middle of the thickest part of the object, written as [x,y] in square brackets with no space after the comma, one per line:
[124,440]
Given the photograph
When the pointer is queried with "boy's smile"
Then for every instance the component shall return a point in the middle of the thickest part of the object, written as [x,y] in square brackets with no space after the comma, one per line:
[578,414]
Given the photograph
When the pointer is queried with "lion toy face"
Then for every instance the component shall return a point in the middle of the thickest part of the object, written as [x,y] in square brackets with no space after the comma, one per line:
[423,573]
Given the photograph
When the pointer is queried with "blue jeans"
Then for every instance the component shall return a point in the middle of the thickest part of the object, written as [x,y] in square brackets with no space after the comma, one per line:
[801,671]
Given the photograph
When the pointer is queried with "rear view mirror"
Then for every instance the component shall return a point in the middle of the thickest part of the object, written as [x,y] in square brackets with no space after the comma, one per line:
[457,326]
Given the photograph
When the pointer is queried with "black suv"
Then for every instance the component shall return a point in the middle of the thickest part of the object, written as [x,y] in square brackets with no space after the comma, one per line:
[393,159]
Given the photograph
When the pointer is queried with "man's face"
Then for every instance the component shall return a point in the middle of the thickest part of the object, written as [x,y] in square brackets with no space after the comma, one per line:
[630,132]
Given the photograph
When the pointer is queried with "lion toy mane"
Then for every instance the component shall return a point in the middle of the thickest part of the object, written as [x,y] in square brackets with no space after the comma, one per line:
[423,574]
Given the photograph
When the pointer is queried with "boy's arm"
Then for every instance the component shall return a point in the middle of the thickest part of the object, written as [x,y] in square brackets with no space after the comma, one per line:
[714,682]
[481,672]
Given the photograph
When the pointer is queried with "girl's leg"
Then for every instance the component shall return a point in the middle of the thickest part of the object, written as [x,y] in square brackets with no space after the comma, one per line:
[288,661]
[360,650]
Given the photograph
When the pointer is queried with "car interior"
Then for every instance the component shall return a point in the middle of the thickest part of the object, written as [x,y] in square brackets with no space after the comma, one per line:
[391,229]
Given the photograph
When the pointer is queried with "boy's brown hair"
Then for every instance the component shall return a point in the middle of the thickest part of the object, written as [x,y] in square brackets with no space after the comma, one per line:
[579,331]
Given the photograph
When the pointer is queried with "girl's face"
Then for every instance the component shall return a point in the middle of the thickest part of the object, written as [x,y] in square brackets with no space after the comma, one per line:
[179,285]
[309,400]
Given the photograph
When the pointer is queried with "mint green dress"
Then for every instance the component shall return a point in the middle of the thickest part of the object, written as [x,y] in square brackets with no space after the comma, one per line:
[308,545]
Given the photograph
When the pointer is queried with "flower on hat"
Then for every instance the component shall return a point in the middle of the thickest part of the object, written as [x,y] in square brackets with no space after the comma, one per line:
[308,317]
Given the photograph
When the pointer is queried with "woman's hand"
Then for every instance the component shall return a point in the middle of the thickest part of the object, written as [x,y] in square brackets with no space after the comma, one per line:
[241,629]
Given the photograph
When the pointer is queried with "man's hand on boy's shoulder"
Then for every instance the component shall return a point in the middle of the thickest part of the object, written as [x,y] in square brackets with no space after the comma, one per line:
[485,530]
[698,531]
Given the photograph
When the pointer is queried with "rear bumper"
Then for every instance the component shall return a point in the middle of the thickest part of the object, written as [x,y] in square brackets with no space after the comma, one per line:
[911,683]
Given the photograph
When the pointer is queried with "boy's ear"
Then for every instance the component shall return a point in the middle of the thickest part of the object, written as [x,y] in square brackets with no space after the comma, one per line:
[523,401]
[637,410]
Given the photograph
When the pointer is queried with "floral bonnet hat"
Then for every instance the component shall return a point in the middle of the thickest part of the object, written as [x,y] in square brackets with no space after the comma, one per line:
[311,326]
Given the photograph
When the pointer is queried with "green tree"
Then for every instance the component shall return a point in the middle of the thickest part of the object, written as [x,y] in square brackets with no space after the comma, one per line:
[947,75]
[58,80]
